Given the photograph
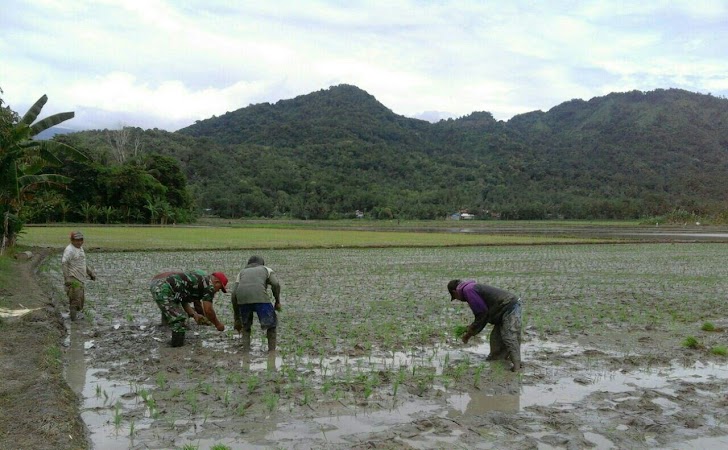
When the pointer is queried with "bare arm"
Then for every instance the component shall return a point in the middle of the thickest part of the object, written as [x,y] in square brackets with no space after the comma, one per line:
[190,311]
[212,317]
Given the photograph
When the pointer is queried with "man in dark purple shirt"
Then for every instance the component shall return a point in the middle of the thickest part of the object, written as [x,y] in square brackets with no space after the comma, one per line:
[496,306]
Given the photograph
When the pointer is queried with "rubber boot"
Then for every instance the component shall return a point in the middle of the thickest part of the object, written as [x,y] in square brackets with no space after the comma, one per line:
[271,334]
[73,312]
[245,336]
[164,320]
[178,338]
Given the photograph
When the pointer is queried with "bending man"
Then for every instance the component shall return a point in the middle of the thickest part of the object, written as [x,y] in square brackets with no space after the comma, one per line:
[250,294]
[496,306]
[176,292]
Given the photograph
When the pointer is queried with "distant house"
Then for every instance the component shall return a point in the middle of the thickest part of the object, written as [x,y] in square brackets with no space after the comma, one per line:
[461,216]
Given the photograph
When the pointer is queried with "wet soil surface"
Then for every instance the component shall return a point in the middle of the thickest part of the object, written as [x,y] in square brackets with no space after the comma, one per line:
[408,383]
[568,396]
[37,408]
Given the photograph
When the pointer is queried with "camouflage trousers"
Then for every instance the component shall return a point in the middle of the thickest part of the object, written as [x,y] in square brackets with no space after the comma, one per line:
[505,339]
[172,312]
[76,296]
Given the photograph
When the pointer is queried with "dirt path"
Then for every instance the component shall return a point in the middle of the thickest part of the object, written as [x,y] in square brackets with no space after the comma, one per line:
[37,408]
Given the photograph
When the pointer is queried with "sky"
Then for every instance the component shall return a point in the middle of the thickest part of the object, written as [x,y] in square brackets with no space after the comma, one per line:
[167,63]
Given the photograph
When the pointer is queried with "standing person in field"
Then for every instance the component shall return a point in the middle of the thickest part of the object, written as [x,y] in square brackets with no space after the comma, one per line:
[75,270]
[177,294]
[250,294]
[496,306]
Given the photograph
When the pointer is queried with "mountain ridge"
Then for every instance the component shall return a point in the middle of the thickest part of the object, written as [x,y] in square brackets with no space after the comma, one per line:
[328,153]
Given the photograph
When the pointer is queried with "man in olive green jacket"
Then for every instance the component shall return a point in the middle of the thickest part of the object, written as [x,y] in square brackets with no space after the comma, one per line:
[250,294]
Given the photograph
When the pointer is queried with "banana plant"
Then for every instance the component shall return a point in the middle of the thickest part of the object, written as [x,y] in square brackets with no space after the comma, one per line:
[24,161]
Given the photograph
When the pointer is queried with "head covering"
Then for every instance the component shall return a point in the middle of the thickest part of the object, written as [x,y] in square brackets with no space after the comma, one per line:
[255,260]
[76,235]
[223,279]
[452,287]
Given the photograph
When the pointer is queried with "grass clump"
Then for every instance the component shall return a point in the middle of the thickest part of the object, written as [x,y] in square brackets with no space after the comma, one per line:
[460,330]
[720,350]
[708,326]
[691,342]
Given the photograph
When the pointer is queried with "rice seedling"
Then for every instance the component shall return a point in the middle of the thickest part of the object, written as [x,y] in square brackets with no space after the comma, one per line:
[161,380]
[708,326]
[191,399]
[476,377]
[117,415]
[691,342]
[252,383]
[271,401]
[720,350]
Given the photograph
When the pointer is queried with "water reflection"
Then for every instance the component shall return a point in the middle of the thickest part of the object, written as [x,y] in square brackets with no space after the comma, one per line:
[76,361]
[477,403]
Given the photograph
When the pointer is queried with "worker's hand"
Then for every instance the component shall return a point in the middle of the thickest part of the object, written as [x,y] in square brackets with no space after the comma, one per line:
[277,306]
[220,326]
[93,277]
[202,320]
[466,337]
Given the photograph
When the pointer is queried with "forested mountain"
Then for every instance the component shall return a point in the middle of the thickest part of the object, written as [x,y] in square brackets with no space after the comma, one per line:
[331,152]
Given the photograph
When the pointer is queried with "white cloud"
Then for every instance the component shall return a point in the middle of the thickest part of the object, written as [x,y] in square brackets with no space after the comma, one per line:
[164,63]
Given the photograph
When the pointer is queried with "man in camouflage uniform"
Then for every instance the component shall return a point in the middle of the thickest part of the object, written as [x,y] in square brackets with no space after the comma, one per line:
[496,306]
[177,292]
[75,271]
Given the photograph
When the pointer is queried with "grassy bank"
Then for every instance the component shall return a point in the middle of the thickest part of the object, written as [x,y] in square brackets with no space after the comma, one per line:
[209,237]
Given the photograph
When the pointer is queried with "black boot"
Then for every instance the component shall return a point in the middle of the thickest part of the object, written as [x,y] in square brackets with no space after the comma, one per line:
[178,338]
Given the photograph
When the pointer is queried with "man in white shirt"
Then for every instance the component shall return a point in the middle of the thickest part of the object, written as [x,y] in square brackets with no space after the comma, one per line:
[75,271]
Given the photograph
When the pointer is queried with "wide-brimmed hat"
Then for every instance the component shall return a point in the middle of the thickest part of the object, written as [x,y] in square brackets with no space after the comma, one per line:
[76,235]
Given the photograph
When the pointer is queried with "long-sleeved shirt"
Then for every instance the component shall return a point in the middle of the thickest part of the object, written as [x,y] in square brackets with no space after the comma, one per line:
[487,303]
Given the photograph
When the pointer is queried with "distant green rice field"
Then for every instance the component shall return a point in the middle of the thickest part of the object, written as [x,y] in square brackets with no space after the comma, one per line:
[224,238]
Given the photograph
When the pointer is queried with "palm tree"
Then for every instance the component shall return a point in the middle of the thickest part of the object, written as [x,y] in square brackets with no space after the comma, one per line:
[23,160]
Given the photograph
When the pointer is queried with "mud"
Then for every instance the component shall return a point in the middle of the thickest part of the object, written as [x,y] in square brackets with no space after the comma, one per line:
[606,386]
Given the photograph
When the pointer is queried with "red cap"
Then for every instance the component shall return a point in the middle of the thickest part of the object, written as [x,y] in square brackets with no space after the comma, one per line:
[223,279]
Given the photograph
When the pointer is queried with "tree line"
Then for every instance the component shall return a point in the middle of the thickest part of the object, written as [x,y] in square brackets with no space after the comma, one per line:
[327,154]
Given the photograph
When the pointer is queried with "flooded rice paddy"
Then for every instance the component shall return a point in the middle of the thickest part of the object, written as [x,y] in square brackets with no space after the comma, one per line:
[367,356]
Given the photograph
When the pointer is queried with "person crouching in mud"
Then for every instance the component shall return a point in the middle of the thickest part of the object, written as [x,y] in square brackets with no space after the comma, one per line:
[177,292]
[496,306]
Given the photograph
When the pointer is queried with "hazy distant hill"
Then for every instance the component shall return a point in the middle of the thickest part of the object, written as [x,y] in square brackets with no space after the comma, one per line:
[331,152]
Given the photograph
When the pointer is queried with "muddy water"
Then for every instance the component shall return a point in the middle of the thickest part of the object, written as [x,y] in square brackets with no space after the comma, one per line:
[546,409]
[604,362]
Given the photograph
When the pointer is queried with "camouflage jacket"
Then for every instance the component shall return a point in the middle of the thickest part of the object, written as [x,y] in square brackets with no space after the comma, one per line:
[189,286]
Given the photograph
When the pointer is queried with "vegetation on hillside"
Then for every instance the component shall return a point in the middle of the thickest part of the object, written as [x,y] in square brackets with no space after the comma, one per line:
[332,152]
